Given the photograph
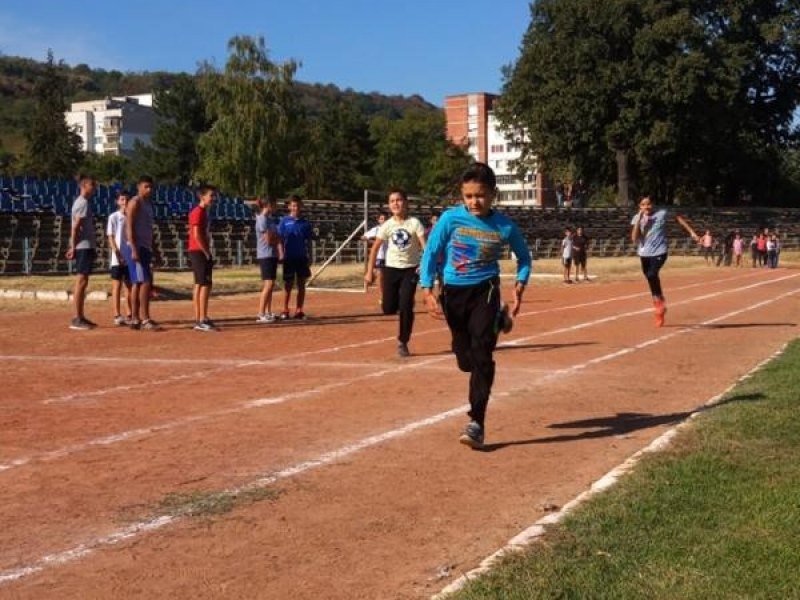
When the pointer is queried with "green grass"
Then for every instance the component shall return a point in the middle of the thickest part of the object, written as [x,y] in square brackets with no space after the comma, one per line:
[197,504]
[717,516]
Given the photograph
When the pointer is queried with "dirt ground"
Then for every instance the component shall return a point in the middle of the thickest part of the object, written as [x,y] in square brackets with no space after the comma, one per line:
[304,460]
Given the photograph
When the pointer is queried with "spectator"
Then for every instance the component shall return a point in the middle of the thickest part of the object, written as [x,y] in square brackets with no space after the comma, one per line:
[82,248]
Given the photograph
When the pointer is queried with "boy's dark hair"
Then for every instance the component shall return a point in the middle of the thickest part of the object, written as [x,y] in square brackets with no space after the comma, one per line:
[85,177]
[401,191]
[294,198]
[205,188]
[146,179]
[480,173]
[123,192]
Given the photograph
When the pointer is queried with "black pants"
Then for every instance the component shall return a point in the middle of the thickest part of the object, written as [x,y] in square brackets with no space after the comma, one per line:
[399,287]
[471,313]
[651,265]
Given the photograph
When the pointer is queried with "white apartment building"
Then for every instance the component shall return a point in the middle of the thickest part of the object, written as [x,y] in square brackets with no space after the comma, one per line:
[113,125]
[502,150]
[471,124]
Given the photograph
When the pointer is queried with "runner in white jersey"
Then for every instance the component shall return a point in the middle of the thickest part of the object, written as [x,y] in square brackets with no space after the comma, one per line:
[117,240]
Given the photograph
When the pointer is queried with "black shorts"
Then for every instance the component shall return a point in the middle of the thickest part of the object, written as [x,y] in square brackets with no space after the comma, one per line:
[567,262]
[121,273]
[269,268]
[201,266]
[579,259]
[84,261]
[296,267]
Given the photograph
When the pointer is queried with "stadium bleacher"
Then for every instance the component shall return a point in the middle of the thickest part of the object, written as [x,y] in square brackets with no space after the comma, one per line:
[35,222]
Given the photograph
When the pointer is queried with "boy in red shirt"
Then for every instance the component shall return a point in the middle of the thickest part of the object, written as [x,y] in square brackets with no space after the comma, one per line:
[200,256]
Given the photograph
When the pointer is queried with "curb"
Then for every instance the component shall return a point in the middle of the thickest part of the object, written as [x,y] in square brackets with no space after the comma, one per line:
[50,295]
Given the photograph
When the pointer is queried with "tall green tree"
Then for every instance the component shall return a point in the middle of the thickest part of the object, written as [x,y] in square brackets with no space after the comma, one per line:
[675,94]
[181,112]
[52,148]
[412,153]
[343,151]
[256,121]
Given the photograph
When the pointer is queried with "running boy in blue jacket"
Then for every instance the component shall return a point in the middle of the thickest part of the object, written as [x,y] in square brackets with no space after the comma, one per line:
[472,237]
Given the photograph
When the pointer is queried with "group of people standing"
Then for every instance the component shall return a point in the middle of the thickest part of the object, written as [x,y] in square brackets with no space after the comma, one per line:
[575,251]
[765,248]
[130,238]
[129,235]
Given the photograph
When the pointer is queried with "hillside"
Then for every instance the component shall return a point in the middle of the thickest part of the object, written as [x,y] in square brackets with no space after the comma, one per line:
[18,77]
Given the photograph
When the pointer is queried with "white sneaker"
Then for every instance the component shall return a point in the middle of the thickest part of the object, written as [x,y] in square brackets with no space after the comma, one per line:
[269,318]
[262,319]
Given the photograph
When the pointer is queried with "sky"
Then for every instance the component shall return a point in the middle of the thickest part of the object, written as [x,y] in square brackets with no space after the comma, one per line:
[433,48]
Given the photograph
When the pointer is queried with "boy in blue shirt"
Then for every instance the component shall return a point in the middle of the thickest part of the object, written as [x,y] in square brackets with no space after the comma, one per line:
[295,234]
[472,237]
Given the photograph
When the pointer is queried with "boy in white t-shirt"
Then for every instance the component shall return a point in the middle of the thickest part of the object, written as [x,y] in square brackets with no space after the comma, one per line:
[405,238]
[115,232]
[566,255]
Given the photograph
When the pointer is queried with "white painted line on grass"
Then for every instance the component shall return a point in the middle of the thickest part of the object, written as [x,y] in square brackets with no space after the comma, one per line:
[84,549]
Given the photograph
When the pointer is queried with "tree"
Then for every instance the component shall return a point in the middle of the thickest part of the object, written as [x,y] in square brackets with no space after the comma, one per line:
[412,153]
[255,121]
[52,148]
[109,168]
[342,149]
[181,112]
[674,93]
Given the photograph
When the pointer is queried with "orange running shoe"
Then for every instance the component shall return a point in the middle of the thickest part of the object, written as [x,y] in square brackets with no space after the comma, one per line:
[661,311]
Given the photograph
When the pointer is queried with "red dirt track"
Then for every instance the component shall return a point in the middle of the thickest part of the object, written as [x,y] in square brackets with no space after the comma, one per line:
[371,496]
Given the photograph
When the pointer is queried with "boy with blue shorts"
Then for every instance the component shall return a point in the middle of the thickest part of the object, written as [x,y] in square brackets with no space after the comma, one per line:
[472,237]
[139,253]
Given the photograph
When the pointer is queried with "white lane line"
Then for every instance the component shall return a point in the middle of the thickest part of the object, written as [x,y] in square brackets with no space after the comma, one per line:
[292,357]
[194,376]
[111,439]
[138,433]
[88,547]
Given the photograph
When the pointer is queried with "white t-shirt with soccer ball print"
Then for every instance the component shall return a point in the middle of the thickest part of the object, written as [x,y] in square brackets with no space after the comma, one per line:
[404,248]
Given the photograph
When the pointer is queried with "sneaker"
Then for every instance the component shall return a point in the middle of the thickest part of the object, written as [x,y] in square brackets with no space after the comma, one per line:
[503,322]
[284,316]
[300,315]
[91,324]
[135,325]
[266,318]
[119,321]
[80,324]
[661,311]
[204,326]
[402,350]
[150,325]
[472,435]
